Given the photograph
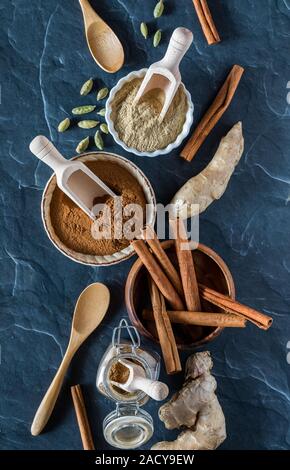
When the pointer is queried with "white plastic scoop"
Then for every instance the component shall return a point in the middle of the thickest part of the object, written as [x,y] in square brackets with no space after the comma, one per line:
[137,381]
[72,176]
[165,74]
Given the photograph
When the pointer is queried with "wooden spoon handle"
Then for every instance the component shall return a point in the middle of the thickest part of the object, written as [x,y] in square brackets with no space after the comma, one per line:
[46,406]
[90,16]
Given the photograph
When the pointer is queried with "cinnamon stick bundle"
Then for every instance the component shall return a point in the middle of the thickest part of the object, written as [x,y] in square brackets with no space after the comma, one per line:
[223,320]
[151,238]
[82,417]
[186,266]
[206,21]
[222,301]
[214,113]
[164,330]
[157,274]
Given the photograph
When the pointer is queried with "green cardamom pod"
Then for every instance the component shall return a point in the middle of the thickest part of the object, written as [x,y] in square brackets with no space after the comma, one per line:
[83,145]
[157,38]
[99,141]
[159,9]
[144,30]
[102,112]
[102,93]
[87,87]
[104,128]
[63,125]
[88,124]
[83,109]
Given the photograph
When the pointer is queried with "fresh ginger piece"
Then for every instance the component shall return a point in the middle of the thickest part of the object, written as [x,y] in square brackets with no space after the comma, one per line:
[210,184]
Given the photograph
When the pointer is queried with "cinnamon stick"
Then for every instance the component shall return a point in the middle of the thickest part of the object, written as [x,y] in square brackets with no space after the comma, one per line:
[164,330]
[214,113]
[206,21]
[222,320]
[151,238]
[186,266]
[82,418]
[161,280]
[222,301]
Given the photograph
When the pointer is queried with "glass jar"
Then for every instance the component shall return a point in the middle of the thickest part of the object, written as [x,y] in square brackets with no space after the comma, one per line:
[128,426]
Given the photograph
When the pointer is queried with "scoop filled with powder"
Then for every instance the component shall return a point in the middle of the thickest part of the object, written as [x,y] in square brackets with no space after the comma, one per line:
[138,125]
[74,228]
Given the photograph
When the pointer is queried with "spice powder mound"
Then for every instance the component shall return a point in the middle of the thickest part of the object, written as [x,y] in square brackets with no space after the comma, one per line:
[119,373]
[138,125]
[73,227]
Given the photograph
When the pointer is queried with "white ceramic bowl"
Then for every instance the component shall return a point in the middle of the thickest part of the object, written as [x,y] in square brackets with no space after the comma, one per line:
[93,260]
[186,127]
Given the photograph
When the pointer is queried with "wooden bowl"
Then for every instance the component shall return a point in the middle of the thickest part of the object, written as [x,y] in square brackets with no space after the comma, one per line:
[211,271]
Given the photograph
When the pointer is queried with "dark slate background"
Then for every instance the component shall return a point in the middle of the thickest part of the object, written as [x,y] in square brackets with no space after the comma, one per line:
[43,61]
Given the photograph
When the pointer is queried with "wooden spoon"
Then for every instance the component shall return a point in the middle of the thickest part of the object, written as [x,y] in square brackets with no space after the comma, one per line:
[90,310]
[103,43]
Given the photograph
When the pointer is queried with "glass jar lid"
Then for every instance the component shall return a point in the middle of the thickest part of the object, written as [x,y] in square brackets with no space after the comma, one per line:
[128,427]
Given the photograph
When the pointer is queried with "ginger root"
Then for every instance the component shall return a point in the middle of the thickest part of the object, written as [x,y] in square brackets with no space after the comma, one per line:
[201,190]
[196,408]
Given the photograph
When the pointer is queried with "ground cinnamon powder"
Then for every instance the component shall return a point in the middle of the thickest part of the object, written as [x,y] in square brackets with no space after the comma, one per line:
[119,373]
[73,226]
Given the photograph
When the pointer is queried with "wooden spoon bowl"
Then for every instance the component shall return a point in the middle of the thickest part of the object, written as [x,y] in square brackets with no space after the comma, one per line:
[103,43]
[211,271]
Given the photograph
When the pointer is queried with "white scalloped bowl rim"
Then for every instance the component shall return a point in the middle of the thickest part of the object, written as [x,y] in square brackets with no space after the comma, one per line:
[185,130]
[97,260]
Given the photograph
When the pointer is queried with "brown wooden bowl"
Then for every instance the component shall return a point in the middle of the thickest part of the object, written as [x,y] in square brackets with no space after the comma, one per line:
[211,271]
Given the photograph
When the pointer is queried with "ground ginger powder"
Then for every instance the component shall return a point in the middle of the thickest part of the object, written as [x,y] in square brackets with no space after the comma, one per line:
[138,125]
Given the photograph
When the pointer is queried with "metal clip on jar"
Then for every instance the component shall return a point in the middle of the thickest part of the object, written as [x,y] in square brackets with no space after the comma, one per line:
[128,426]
